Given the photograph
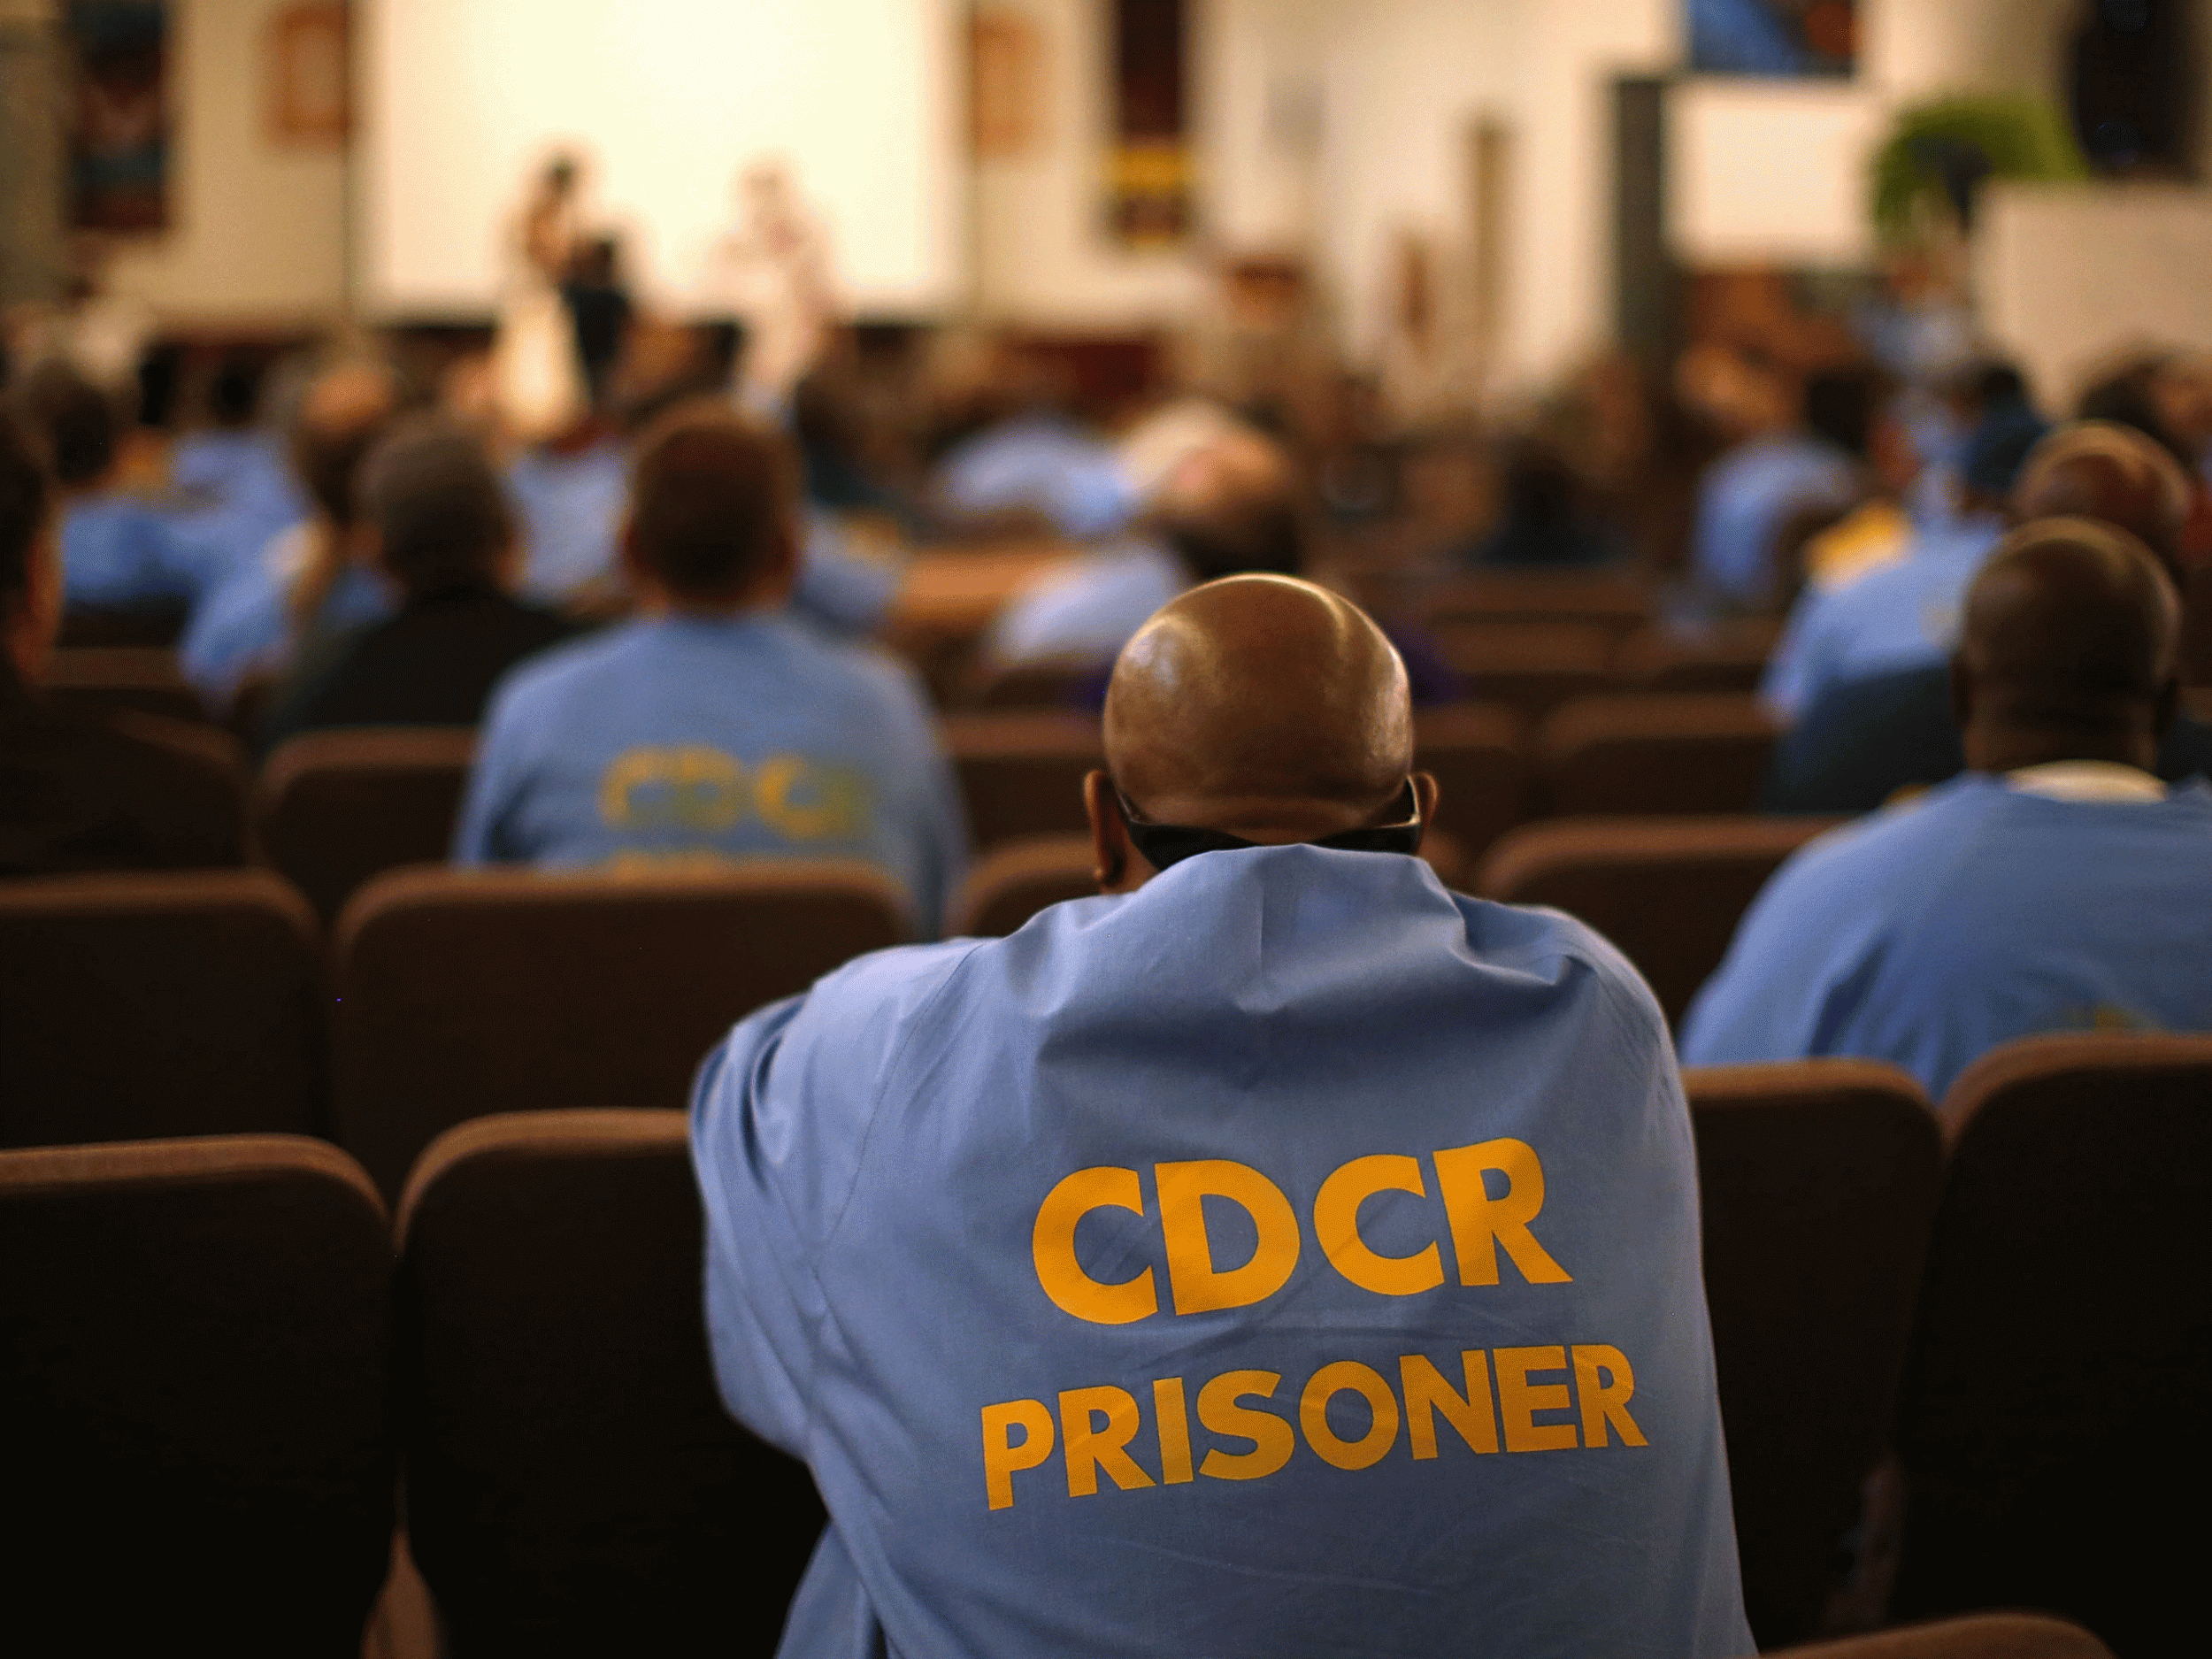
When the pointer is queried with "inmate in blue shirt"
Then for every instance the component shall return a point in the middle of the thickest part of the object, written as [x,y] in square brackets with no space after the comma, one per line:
[1288,1258]
[569,508]
[1044,462]
[1085,609]
[1933,931]
[1899,616]
[117,552]
[242,624]
[673,739]
[1747,498]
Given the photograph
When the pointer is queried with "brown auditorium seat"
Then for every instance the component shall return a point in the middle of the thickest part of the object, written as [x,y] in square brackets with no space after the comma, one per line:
[573,1484]
[1725,656]
[1984,1636]
[1817,1181]
[1613,602]
[1681,754]
[1533,666]
[466,991]
[1016,880]
[2064,1327]
[1669,892]
[134,1006]
[1474,749]
[1022,771]
[104,677]
[1049,685]
[339,807]
[194,1384]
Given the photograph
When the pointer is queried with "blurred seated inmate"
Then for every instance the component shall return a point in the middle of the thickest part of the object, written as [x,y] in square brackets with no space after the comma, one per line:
[712,727]
[2056,886]
[1864,738]
[81,792]
[1277,1254]
[270,604]
[436,522]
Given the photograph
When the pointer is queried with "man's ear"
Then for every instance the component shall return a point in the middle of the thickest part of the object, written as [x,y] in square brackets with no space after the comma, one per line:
[1425,795]
[1119,867]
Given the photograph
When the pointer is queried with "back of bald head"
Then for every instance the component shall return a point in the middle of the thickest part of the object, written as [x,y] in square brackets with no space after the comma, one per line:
[1260,703]
[341,416]
[1231,508]
[2101,469]
[2071,627]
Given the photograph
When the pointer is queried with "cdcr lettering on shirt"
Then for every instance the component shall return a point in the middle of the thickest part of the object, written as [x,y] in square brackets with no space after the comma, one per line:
[696,786]
[1095,1425]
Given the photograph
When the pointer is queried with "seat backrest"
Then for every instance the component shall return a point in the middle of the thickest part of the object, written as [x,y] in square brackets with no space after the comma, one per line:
[1690,753]
[1048,686]
[1614,602]
[1669,892]
[1016,880]
[1817,1181]
[1532,666]
[337,808]
[134,1006]
[1984,1636]
[193,1365]
[1726,657]
[465,992]
[1474,751]
[573,1484]
[1022,772]
[143,678]
[2065,1280]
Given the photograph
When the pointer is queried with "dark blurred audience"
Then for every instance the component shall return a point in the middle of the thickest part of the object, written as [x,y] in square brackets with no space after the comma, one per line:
[2056,886]
[119,553]
[310,578]
[79,793]
[1904,613]
[1862,740]
[431,505]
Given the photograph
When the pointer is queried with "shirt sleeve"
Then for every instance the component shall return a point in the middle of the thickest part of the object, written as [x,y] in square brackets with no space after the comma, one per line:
[483,836]
[780,1119]
[1785,688]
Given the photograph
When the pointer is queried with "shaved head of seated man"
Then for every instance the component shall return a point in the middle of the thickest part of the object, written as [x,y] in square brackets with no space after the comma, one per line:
[1863,740]
[2056,886]
[1201,1268]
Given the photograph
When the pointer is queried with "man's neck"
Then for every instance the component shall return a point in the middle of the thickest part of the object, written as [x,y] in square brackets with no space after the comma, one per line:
[2011,751]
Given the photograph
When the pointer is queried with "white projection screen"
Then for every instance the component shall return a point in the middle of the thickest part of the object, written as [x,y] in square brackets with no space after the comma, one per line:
[666,100]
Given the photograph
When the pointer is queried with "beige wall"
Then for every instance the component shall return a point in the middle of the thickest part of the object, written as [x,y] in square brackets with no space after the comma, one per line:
[257,231]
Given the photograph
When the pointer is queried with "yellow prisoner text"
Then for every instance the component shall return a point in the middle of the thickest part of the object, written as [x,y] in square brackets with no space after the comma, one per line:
[1509,1398]
[1481,1227]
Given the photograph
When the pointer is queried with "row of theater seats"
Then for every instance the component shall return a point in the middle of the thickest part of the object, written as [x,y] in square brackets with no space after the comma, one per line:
[216,1372]
[218,1001]
[335,807]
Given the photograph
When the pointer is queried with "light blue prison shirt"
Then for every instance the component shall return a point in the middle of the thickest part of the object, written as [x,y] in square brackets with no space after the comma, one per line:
[1930,933]
[1896,616]
[241,623]
[1085,608]
[1747,495]
[1043,462]
[119,552]
[1289,1258]
[675,738]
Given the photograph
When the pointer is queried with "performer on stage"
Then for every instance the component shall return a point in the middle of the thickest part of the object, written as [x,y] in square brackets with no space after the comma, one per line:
[538,378]
[772,272]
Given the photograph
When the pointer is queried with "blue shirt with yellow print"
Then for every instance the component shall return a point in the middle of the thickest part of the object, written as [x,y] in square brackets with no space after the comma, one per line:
[1288,1258]
[673,739]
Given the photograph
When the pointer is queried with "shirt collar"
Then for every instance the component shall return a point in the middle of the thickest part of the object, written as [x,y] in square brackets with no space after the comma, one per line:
[2086,780]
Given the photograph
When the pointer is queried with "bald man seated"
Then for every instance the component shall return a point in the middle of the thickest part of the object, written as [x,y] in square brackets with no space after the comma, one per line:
[2056,886]
[1277,1254]
[1865,737]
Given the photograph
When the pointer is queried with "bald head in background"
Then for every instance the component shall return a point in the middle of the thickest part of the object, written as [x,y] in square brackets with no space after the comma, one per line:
[1262,706]
[2069,650]
[2101,469]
